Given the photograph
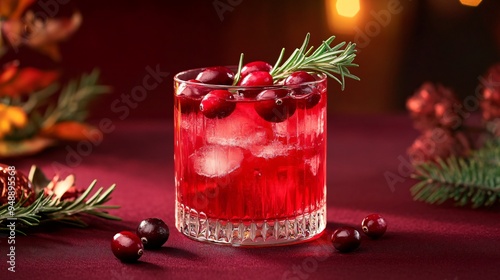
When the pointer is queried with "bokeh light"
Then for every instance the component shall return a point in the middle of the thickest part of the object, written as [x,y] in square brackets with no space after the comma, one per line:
[472,3]
[347,8]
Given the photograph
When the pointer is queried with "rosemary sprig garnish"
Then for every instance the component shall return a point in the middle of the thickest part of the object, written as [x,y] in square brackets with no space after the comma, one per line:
[333,61]
[238,74]
[48,209]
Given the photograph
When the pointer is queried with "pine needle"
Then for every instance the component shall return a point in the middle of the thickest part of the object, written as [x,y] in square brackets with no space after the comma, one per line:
[48,209]
[473,181]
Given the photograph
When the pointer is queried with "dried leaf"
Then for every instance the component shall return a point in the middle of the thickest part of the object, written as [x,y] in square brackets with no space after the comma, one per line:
[72,131]
[38,179]
[15,81]
[42,36]
[25,147]
[60,187]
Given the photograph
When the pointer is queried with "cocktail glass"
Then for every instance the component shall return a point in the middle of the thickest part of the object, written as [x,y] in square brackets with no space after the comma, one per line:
[251,178]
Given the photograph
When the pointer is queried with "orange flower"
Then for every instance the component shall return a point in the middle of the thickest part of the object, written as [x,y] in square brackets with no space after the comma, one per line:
[15,81]
[11,117]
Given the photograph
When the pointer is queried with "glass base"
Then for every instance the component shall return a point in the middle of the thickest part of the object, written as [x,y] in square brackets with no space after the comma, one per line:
[292,230]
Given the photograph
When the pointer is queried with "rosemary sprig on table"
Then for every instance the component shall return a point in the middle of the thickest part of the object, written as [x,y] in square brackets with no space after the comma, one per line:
[333,61]
[48,209]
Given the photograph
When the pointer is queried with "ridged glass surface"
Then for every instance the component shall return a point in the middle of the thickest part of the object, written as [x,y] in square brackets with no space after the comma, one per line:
[263,233]
[251,178]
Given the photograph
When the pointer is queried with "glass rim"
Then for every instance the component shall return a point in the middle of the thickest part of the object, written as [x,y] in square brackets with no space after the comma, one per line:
[322,78]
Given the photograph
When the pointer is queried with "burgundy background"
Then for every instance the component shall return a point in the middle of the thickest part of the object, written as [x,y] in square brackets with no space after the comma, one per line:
[440,41]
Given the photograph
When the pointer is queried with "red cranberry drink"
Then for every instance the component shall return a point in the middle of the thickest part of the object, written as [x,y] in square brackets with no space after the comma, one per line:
[250,148]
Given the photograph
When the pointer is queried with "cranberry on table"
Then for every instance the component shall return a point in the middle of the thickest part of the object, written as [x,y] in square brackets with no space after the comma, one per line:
[153,233]
[127,246]
[313,94]
[255,66]
[217,75]
[346,239]
[217,104]
[274,105]
[189,95]
[374,225]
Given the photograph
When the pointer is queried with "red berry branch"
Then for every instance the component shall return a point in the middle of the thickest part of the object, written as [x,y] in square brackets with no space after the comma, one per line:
[453,160]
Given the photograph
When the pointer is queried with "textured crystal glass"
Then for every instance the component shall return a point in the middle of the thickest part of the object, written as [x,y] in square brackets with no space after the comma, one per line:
[251,178]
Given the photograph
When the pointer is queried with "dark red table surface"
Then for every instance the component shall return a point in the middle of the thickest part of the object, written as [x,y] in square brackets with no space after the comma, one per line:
[422,241]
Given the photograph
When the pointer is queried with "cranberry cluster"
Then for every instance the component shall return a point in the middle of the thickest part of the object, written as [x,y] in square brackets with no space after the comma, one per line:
[346,239]
[273,104]
[151,233]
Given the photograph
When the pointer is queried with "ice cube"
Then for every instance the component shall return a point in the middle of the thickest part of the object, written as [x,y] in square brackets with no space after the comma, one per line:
[302,124]
[239,129]
[313,164]
[192,123]
[271,150]
[216,161]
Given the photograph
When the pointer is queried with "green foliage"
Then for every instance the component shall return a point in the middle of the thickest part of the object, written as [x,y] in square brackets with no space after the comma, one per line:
[47,209]
[74,100]
[72,104]
[471,181]
[333,61]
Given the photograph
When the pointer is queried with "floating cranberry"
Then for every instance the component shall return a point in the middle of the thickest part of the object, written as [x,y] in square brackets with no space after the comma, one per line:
[346,239]
[217,104]
[189,96]
[307,95]
[274,105]
[374,225]
[299,77]
[127,246]
[217,75]
[153,233]
[309,101]
[257,78]
[255,66]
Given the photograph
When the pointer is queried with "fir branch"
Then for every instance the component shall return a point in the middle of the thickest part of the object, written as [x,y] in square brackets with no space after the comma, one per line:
[48,209]
[466,181]
[489,153]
